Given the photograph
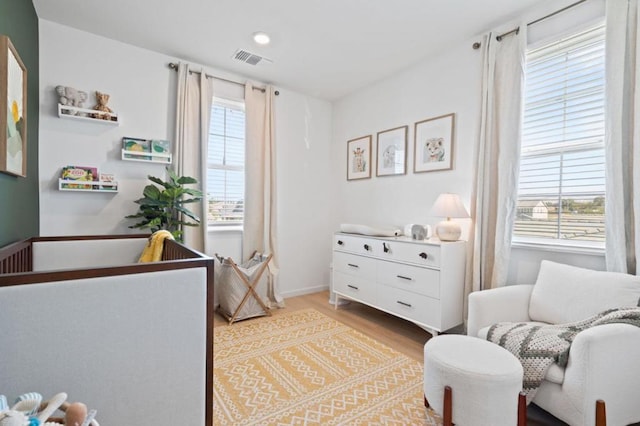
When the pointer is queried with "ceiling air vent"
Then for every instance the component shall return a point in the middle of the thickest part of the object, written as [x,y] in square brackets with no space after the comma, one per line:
[250,58]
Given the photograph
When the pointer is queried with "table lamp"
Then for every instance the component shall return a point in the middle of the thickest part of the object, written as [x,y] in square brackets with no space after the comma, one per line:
[448,205]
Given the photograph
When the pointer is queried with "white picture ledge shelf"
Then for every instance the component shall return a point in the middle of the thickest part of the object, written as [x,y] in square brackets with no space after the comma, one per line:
[84,114]
[87,185]
[147,157]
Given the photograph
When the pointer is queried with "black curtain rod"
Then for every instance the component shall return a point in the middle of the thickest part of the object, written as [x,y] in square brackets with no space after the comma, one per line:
[517,30]
[174,66]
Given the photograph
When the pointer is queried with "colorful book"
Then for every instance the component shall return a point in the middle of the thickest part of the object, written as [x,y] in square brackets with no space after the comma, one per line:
[159,146]
[138,146]
[79,174]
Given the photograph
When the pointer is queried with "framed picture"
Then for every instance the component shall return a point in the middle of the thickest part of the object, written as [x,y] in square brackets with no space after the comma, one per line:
[359,158]
[433,144]
[391,156]
[13,110]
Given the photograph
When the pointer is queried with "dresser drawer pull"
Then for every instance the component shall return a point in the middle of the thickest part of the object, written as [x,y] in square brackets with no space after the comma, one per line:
[353,287]
[404,278]
[423,255]
[340,242]
[367,247]
[352,265]
[385,248]
[408,305]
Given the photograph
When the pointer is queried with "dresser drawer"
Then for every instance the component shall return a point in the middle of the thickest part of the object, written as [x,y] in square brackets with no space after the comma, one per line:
[357,266]
[411,306]
[358,245]
[415,279]
[357,288]
[418,254]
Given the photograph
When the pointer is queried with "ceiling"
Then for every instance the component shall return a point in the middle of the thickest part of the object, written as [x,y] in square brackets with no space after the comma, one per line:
[323,48]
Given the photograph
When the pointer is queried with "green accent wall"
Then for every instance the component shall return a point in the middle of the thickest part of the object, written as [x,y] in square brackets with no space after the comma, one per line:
[19,201]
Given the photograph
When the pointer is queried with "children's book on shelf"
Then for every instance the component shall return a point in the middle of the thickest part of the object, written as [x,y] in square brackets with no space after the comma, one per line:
[107,178]
[79,174]
[159,146]
[136,145]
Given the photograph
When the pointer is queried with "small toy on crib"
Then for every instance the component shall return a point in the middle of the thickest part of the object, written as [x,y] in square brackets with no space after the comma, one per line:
[29,410]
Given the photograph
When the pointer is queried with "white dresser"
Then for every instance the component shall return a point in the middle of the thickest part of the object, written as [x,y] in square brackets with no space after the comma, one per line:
[420,281]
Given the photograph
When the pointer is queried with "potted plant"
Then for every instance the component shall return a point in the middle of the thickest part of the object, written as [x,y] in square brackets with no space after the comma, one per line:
[163,208]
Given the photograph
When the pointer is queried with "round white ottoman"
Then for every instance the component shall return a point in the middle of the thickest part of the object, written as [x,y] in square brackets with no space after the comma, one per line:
[485,380]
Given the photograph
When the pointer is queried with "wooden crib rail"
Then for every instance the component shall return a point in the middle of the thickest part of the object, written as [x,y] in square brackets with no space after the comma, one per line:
[174,250]
[16,258]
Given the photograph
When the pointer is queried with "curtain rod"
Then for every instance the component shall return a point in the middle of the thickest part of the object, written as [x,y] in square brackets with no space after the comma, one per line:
[174,66]
[516,30]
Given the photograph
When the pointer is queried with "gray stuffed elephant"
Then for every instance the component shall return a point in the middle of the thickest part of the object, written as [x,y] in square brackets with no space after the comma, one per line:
[71,97]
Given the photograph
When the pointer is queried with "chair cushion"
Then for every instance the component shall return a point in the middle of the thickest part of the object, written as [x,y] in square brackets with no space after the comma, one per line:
[564,293]
[555,373]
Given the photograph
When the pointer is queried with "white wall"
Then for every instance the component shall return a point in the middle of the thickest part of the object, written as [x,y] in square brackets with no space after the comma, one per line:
[440,85]
[142,90]
[443,83]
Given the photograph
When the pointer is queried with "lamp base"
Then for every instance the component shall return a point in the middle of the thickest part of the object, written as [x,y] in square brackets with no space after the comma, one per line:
[448,230]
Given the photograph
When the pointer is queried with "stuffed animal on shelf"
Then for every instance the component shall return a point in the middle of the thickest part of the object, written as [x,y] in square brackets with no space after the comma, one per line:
[71,97]
[102,99]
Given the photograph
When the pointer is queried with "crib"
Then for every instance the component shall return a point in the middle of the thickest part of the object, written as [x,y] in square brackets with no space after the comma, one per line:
[133,341]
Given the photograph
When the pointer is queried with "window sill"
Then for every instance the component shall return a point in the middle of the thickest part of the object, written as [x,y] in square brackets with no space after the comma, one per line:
[594,250]
[224,228]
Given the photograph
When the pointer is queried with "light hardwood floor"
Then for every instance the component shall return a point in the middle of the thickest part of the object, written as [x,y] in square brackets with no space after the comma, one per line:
[394,332]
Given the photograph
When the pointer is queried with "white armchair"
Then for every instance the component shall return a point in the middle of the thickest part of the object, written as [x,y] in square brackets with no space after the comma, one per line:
[603,360]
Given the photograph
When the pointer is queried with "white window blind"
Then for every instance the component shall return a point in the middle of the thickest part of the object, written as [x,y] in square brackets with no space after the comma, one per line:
[225,163]
[562,170]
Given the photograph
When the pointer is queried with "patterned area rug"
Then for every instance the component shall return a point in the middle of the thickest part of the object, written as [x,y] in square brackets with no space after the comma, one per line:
[304,368]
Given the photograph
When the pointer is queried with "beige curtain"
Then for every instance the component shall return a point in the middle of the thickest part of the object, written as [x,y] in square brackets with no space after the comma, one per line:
[260,228]
[622,138]
[193,110]
[493,203]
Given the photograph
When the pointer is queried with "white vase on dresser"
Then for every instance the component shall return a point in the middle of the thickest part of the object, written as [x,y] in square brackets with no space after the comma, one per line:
[421,281]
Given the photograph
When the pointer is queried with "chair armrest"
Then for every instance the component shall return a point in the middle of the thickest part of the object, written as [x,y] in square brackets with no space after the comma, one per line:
[603,364]
[504,304]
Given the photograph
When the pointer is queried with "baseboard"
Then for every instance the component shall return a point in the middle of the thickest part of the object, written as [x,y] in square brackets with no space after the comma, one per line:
[303,291]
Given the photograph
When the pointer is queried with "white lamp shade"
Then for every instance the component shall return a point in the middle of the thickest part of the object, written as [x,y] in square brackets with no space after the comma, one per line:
[449,205]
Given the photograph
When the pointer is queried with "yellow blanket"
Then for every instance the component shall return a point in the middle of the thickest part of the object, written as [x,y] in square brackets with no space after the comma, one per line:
[153,250]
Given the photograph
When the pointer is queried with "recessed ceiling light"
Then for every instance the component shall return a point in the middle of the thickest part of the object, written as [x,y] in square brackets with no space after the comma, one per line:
[261,38]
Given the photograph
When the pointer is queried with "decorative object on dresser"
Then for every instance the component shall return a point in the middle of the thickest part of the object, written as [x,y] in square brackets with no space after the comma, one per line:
[433,144]
[392,152]
[449,205]
[359,158]
[420,281]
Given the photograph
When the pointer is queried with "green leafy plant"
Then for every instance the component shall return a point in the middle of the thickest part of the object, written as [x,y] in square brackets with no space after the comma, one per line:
[163,207]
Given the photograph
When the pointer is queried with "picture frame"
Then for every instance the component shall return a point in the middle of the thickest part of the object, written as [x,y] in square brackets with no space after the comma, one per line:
[13,110]
[433,144]
[391,152]
[359,158]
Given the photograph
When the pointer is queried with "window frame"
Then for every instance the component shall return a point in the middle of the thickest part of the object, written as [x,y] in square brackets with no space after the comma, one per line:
[230,225]
[557,244]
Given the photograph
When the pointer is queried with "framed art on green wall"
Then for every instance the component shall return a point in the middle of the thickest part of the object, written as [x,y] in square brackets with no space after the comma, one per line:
[13,110]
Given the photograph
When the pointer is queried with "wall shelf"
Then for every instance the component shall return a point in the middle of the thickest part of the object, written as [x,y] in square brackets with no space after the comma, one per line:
[87,186]
[146,157]
[84,114]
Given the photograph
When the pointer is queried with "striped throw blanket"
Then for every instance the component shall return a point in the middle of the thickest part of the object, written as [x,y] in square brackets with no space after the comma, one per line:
[537,347]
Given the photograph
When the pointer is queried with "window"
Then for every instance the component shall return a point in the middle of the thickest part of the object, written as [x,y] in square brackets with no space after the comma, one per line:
[562,168]
[225,163]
